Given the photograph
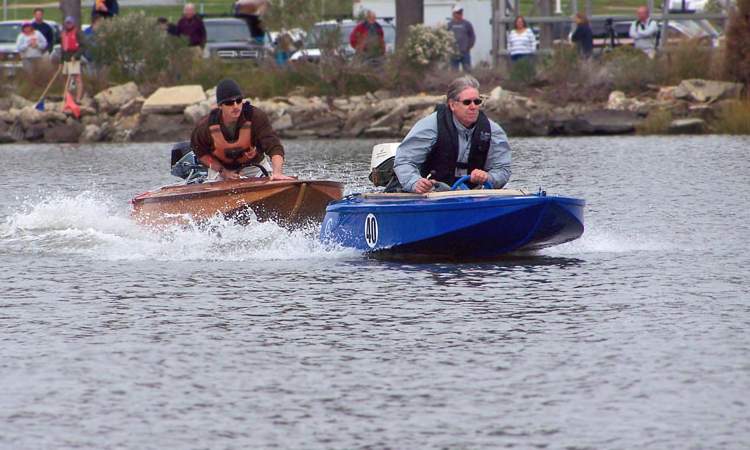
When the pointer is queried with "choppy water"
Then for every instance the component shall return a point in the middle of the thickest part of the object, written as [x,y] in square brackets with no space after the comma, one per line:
[635,336]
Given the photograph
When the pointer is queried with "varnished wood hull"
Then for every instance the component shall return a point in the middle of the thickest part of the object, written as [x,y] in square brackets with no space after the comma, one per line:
[288,203]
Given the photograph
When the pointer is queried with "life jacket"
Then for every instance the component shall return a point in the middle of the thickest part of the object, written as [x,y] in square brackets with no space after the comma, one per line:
[232,154]
[442,159]
[69,40]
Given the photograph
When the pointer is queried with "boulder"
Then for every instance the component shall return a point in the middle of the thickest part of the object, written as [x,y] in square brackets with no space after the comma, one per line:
[173,100]
[92,133]
[134,106]
[112,99]
[123,127]
[282,123]
[18,102]
[665,94]
[707,90]
[29,116]
[16,132]
[617,100]
[33,133]
[604,122]
[7,117]
[393,119]
[687,126]
[196,112]
[382,94]
[6,136]
[161,128]
[64,132]
[342,103]
[53,116]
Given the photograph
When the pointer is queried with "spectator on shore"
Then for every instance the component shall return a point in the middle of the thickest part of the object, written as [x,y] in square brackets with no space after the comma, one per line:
[30,44]
[644,32]
[367,38]
[457,139]
[284,47]
[73,47]
[582,36]
[521,40]
[166,27]
[105,8]
[463,31]
[43,27]
[191,27]
[90,34]
[236,138]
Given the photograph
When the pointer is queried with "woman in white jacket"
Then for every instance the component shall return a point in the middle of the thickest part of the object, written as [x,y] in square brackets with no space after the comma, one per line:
[30,44]
[521,40]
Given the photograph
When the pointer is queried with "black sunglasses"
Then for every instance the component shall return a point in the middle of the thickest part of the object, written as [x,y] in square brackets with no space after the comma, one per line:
[468,101]
[232,101]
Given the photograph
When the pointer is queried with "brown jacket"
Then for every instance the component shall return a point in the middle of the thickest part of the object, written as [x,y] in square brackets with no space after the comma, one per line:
[264,138]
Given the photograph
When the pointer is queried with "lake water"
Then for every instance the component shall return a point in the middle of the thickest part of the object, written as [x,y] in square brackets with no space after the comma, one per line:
[113,336]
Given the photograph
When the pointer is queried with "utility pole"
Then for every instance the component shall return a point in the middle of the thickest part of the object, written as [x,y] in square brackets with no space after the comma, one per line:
[71,8]
[408,12]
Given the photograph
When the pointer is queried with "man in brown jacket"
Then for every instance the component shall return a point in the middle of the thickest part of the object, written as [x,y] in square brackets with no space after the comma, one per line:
[236,139]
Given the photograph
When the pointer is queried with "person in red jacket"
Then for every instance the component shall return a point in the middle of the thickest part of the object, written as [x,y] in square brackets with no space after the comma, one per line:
[367,38]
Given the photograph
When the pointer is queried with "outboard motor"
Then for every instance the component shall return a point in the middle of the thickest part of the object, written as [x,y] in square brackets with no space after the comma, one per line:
[185,165]
[381,164]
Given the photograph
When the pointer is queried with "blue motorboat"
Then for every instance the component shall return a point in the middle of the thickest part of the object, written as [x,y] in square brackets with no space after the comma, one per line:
[478,223]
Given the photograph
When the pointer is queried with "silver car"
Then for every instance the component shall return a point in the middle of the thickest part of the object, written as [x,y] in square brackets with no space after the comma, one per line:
[344,28]
[10,59]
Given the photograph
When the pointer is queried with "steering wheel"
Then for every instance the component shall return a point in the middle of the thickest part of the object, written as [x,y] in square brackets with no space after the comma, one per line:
[460,184]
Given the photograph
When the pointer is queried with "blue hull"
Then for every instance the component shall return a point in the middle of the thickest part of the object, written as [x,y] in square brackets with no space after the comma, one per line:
[456,226]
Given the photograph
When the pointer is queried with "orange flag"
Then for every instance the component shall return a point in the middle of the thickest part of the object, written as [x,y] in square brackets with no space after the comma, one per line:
[70,105]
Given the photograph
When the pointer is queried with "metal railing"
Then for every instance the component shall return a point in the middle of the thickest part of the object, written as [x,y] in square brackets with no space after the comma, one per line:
[504,13]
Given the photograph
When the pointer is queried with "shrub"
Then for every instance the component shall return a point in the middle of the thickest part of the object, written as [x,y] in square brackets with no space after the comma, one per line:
[688,59]
[734,118]
[427,46]
[133,47]
[630,70]
[523,71]
[737,56]
[572,78]
[657,122]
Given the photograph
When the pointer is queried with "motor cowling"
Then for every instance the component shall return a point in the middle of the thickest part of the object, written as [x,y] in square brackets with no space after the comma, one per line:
[381,163]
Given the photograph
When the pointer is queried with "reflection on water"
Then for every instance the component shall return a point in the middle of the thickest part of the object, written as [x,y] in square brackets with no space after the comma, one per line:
[119,336]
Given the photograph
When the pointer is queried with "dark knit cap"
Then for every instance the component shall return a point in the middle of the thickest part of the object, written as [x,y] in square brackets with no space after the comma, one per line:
[227,90]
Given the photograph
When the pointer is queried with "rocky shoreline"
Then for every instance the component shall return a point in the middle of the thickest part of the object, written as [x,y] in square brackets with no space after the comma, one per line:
[122,114]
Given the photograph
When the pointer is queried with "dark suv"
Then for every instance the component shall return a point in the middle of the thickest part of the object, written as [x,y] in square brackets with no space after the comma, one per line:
[229,38]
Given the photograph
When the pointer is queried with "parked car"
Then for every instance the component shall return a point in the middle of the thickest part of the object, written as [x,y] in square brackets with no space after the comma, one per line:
[229,38]
[311,51]
[10,59]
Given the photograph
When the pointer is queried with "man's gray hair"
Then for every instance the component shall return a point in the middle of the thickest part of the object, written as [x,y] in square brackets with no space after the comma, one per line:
[459,84]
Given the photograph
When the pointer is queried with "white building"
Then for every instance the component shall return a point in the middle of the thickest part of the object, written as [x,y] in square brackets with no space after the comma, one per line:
[436,12]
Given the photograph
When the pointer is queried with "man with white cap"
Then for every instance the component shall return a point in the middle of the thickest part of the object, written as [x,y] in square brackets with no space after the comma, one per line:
[463,31]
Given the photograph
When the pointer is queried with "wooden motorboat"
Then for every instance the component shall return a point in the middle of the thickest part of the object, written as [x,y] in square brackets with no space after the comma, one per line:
[289,202]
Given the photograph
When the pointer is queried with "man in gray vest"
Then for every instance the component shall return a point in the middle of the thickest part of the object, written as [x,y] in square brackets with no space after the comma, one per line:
[456,140]
[644,32]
